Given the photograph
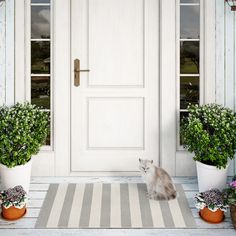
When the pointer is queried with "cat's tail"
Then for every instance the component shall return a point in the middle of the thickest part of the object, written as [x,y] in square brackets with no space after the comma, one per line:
[172,196]
[160,196]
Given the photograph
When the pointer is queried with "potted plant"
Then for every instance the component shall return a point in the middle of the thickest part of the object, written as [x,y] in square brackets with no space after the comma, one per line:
[23,129]
[212,205]
[209,132]
[13,203]
[231,199]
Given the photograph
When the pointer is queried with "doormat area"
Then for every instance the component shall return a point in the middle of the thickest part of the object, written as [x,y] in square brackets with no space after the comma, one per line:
[111,206]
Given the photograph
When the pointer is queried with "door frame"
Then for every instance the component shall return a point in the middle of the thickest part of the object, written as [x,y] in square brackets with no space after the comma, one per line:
[56,162]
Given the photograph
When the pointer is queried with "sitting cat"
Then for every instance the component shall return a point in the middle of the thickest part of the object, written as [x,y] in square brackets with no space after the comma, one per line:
[159,183]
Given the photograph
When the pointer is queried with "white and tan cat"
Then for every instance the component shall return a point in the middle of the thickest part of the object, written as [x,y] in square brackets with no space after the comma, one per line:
[158,181]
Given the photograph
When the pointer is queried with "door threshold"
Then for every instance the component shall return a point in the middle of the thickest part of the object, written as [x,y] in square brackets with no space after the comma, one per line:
[104,173]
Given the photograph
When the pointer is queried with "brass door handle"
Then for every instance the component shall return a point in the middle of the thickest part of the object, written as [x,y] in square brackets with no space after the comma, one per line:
[77,72]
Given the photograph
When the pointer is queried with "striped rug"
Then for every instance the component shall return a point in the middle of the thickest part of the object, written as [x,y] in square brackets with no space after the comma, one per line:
[111,206]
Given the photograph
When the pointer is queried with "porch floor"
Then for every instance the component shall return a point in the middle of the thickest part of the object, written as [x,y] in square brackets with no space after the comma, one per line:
[38,190]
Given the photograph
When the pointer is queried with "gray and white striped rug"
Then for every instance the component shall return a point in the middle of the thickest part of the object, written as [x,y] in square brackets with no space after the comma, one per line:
[111,206]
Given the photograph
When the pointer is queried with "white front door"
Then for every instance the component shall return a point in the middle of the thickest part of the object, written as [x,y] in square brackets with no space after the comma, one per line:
[114,110]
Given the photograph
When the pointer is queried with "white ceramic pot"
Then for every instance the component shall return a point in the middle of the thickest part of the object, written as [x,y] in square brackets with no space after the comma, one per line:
[19,175]
[211,177]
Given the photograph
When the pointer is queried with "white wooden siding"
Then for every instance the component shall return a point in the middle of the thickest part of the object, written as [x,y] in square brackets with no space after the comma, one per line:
[226,58]
[2,51]
[225,50]
[7,52]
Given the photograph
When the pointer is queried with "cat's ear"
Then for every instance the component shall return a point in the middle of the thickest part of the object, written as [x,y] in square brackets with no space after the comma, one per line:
[140,160]
[151,161]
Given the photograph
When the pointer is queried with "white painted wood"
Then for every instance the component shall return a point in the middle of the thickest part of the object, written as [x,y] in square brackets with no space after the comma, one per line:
[10,53]
[20,50]
[185,166]
[229,65]
[119,179]
[34,205]
[223,83]
[167,85]
[234,26]
[102,115]
[220,36]
[2,52]
[229,69]
[61,48]
[43,164]
[115,109]
[27,50]
[209,51]
[117,232]
[225,59]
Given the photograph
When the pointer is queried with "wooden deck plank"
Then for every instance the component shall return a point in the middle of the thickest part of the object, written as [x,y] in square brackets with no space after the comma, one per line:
[116,232]
[38,190]
[37,195]
[39,187]
[117,179]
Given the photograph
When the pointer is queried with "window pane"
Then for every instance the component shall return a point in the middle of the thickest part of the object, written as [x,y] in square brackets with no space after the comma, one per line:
[190,22]
[183,115]
[189,1]
[40,1]
[189,57]
[48,139]
[40,57]
[40,91]
[189,91]
[40,22]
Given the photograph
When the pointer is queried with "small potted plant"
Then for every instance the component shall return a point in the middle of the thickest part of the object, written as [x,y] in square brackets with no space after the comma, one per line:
[231,199]
[13,202]
[210,133]
[212,205]
[23,130]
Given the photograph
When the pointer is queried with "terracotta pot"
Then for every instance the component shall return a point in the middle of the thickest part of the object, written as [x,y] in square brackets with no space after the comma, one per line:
[210,216]
[13,213]
[233,214]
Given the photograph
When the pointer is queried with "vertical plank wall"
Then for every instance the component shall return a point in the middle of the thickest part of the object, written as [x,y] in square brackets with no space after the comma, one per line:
[225,55]
[2,51]
[7,52]
[226,58]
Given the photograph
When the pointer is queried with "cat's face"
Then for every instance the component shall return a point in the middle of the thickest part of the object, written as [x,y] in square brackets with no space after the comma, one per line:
[145,166]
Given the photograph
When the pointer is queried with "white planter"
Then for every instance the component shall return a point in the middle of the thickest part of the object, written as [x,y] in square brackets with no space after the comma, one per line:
[211,177]
[19,175]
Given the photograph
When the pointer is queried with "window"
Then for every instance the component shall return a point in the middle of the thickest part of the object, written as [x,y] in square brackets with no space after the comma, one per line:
[189,67]
[41,57]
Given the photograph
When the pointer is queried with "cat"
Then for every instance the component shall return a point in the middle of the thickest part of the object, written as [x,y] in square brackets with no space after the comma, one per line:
[158,181]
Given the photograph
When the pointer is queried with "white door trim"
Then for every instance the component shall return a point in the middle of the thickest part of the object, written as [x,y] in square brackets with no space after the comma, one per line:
[57,162]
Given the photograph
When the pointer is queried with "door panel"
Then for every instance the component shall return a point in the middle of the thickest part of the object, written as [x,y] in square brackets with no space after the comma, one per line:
[114,111]
[116,35]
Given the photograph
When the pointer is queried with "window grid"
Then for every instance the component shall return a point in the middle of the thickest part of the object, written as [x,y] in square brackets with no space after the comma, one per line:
[179,40]
[49,145]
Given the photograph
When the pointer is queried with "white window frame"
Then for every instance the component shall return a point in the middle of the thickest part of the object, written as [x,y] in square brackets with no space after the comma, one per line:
[28,41]
[44,163]
[179,162]
[185,166]
[201,65]
[56,161]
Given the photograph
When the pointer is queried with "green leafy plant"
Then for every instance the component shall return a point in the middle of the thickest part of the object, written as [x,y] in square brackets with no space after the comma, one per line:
[210,132]
[23,130]
[230,192]
[13,197]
